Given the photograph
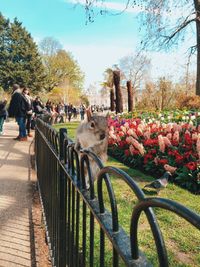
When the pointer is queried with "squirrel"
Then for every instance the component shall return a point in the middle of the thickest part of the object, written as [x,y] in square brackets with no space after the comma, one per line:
[92,135]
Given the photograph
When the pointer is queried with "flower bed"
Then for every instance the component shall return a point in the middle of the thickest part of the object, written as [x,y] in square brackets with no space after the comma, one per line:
[149,144]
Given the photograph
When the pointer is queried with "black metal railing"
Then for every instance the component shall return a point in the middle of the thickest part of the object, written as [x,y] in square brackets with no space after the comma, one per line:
[71,211]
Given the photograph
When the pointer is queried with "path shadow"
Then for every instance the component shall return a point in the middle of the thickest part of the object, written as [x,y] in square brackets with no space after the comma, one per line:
[16,230]
[16,227]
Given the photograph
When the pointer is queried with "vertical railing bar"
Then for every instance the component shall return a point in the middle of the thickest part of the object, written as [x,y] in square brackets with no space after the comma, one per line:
[69,223]
[84,235]
[102,247]
[91,239]
[62,233]
[115,258]
[77,229]
[73,225]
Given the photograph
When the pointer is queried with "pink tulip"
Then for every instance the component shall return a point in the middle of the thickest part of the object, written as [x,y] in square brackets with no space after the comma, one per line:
[161,143]
[175,127]
[169,136]
[194,136]
[123,129]
[176,136]
[128,139]
[132,133]
[166,141]
[147,134]
[156,160]
[188,132]
[131,149]
[169,127]
[138,146]
[198,146]
[126,124]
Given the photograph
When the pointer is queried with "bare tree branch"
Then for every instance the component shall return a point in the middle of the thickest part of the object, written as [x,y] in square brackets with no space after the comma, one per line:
[178,30]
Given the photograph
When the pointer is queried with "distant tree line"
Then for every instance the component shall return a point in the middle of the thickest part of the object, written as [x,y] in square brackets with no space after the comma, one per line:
[131,87]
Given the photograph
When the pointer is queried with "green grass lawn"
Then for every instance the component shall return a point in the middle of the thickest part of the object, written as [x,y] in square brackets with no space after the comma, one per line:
[182,240]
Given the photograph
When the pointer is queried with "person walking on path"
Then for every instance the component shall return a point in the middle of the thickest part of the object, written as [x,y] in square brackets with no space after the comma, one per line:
[18,109]
[29,112]
[70,112]
[82,111]
[3,114]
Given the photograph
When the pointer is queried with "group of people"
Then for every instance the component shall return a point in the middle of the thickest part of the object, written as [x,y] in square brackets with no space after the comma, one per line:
[21,108]
[25,110]
[61,111]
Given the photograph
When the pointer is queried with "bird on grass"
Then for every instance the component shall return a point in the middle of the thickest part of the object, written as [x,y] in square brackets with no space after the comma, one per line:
[160,183]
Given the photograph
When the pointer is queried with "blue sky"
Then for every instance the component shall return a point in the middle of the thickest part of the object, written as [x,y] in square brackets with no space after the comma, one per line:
[96,46]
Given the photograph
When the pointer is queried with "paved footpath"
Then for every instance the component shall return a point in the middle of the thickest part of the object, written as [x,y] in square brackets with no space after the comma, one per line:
[15,200]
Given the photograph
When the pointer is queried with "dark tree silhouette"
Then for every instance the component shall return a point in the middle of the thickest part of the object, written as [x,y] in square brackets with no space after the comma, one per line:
[20,61]
[130,95]
[118,92]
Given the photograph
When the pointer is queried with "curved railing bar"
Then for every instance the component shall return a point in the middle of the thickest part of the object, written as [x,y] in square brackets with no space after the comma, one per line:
[72,160]
[160,245]
[103,175]
[49,134]
[76,158]
[94,157]
[163,203]
[54,139]
[68,157]
[112,198]
[56,136]
[65,144]
[84,160]
[131,183]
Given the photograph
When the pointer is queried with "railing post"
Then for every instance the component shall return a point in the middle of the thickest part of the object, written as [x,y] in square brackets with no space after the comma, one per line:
[62,202]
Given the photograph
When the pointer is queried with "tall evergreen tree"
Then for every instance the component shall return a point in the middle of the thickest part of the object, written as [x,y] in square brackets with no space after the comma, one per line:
[20,61]
[4,52]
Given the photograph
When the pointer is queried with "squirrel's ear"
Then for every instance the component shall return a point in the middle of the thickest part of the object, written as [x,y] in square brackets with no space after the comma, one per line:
[107,115]
[89,114]
[92,124]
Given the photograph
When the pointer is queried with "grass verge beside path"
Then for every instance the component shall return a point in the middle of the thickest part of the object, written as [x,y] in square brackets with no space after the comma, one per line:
[182,240]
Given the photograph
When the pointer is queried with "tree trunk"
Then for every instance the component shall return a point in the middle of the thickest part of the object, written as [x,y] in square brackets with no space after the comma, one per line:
[130,96]
[118,93]
[112,100]
[197,7]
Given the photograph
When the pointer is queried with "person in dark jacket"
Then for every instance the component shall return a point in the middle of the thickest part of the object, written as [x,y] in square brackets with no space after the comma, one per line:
[38,107]
[29,112]
[3,114]
[18,109]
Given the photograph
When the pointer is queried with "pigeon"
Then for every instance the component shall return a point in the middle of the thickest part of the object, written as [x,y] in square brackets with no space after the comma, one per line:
[160,183]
